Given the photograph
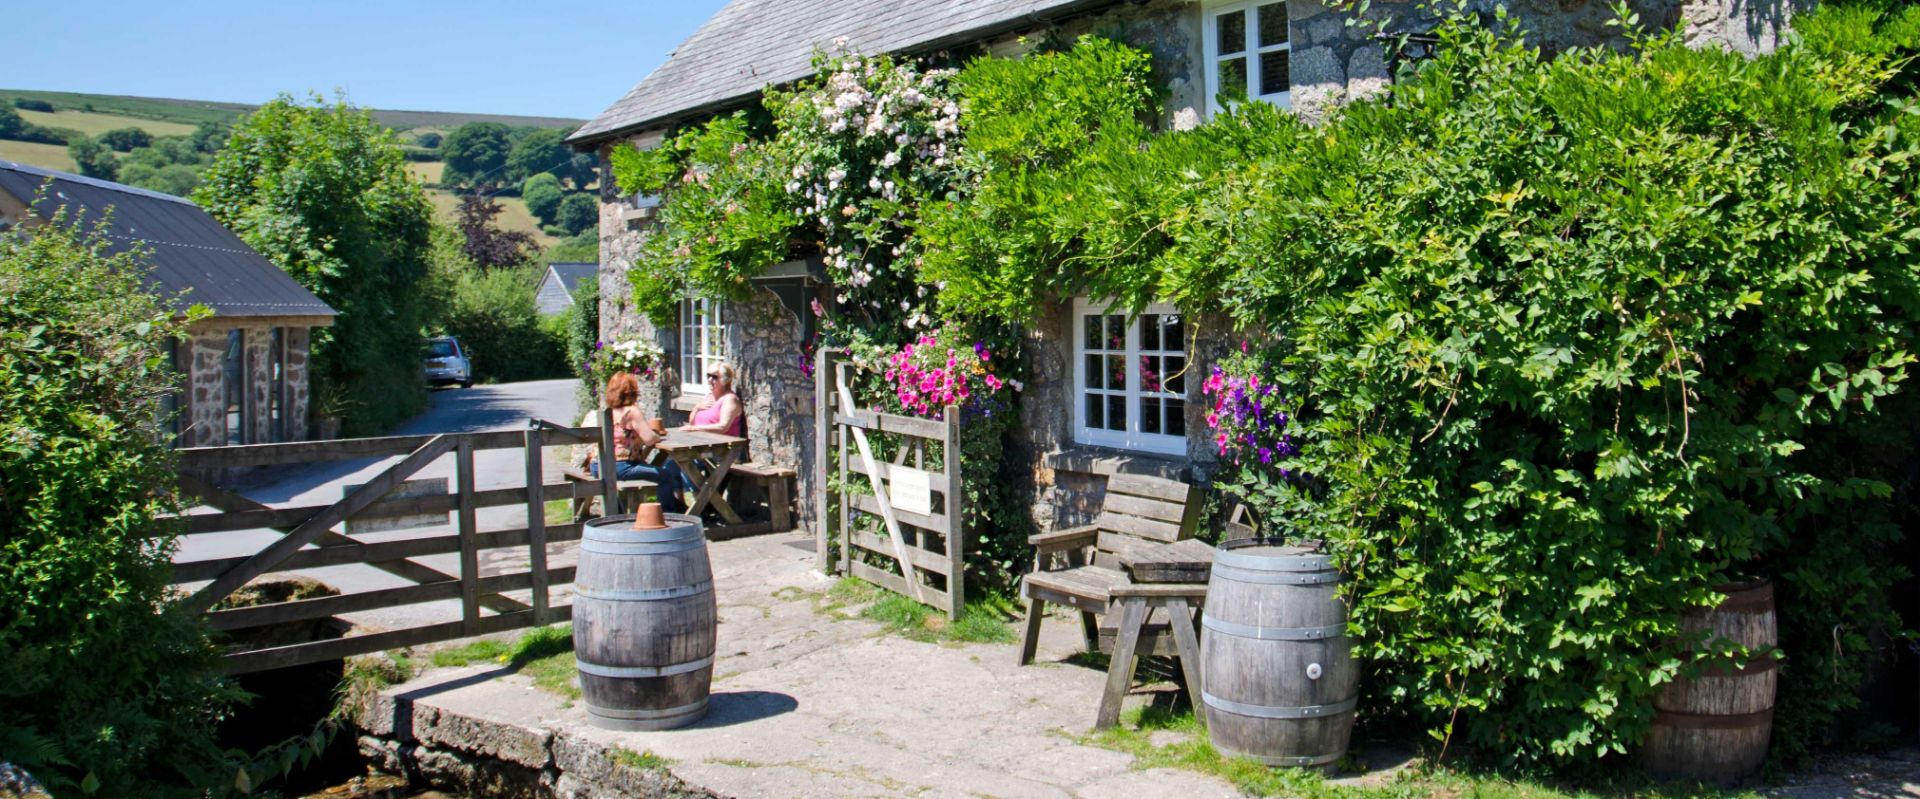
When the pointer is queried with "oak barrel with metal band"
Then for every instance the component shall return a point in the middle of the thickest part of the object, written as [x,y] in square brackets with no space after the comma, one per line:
[1715,726]
[643,623]
[1277,674]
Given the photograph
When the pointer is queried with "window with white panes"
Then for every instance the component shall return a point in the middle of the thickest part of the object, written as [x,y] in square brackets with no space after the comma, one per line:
[1130,378]
[703,342]
[1247,54]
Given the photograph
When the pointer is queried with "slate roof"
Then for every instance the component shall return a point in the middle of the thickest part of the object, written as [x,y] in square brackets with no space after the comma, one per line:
[572,273]
[752,44]
[189,251]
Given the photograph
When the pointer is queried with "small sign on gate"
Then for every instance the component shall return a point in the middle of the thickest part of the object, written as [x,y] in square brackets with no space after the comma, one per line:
[911,490]
[410,489]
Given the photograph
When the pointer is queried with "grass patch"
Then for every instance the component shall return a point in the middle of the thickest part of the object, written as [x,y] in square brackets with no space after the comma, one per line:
[45,156]
[1193,752]
[428,172]
[513,214]
[645,761]
[559,511]
[94,124]
[985,621]
[543,653]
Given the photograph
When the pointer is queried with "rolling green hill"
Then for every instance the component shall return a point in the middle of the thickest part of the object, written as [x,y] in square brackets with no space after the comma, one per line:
[194,112]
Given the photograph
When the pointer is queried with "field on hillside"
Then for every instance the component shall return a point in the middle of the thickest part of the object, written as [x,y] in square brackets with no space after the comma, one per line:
[184,112]
[513,214]
[94,124]
[45,156]
[427,171]
[193,112]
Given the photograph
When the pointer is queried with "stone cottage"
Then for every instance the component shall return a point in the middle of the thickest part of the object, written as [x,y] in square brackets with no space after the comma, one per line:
[1299,54]
[246,365]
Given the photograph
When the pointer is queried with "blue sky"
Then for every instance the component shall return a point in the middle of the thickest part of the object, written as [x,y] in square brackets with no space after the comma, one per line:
[567,59]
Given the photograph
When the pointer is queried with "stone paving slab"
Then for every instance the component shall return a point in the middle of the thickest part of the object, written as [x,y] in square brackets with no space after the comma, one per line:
[806,704]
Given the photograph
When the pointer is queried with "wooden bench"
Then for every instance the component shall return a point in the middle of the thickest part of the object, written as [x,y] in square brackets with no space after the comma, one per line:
[753,484]
[1137,510]
[586,489]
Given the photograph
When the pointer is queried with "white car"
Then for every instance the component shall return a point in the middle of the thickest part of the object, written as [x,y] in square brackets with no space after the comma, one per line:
[447,363]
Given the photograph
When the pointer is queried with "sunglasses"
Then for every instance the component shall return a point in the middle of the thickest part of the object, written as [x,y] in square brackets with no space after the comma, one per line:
[713,377]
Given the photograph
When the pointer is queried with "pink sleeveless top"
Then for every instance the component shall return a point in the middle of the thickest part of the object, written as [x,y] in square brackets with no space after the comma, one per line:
[711,415]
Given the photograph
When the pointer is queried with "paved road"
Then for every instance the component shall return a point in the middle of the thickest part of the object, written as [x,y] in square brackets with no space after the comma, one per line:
[481,408]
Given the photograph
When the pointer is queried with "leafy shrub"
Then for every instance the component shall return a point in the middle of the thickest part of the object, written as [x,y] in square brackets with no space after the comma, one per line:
[13,126]
[94,159]
[1571,342]
[126,139]
[323,192]
[581,248]
[492,312]
[578,213]
[429,140]
[109,688]
[542,194]
[25,104]
[582,338]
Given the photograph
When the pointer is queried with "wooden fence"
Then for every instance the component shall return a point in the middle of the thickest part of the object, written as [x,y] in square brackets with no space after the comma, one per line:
[312,537]
[885,509]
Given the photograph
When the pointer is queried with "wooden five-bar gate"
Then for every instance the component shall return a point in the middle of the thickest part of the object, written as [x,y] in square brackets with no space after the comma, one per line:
[322,535]
[894,521]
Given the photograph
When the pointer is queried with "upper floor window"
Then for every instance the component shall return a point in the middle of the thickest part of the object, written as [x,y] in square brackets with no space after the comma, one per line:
[1130,378]
[703,342]
[1247,52]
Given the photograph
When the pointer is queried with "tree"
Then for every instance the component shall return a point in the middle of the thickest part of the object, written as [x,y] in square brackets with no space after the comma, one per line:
[178,180]
[126,139]
[578,212]
[110,689]
[93,158]
[486,245]
[476,154]
[33,105]
[539,152]
[324,192]
[430,140]
[209,137]
[582,171]
[542,194]
[11,123]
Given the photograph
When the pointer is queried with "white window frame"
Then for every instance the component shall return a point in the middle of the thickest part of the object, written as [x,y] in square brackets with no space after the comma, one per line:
[1131,438]
[1210,30]
[703,341]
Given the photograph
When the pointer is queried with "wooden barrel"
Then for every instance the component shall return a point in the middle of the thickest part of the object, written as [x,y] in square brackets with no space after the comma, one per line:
[1715,727]
[643,623]
[1277,675]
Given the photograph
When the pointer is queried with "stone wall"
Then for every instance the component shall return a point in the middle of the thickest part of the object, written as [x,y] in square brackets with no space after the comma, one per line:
[1333,62]
[763,345]
[1068,477]
[202,411]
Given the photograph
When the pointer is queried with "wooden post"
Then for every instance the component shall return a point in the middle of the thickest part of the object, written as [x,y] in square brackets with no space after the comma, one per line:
[469,554]
[822,429]
[956,519]
[609,482]
[840,454]
[537,524]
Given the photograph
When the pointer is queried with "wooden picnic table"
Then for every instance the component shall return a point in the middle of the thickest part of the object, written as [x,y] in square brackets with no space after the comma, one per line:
[705,457]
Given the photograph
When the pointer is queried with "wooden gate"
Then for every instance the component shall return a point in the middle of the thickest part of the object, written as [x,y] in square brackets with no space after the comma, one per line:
[894,522]
[388,501]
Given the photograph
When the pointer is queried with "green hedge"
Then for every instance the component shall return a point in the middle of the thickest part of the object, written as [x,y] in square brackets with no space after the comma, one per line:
[1571,342]
[105,687]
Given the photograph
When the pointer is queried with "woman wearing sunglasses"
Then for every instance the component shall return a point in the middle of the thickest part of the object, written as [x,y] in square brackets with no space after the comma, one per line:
[721,412]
